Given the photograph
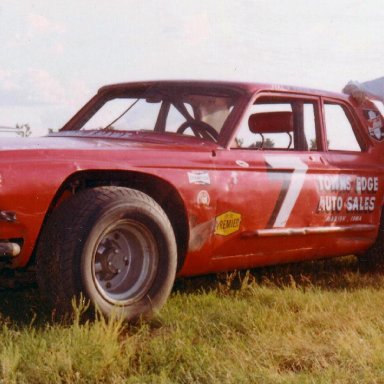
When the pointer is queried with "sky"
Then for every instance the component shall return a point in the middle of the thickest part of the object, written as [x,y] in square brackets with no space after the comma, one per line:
[56,54]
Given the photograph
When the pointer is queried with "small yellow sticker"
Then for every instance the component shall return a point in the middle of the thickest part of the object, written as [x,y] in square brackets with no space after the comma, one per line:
[227,223]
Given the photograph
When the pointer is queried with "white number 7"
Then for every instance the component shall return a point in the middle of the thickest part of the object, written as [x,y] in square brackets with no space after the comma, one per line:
[291,187]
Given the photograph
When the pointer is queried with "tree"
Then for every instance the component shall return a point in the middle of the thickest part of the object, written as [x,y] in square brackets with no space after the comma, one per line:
[268,143]
[239,142]
[24,130]
[313,144]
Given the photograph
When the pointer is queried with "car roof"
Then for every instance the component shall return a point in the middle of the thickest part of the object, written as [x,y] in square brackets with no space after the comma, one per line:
[242,87]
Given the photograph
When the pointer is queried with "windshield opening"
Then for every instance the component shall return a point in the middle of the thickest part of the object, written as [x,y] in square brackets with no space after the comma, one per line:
[162,110]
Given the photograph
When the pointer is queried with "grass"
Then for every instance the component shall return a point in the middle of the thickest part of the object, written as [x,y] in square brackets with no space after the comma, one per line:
[316,322]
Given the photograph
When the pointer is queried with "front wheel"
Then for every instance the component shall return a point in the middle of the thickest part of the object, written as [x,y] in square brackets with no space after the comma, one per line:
[115,245]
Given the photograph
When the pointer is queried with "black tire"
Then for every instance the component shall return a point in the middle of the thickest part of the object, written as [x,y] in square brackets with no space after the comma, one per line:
[373,259]
[115,246]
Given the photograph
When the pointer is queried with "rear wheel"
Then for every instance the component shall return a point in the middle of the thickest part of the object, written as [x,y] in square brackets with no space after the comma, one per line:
[115,245]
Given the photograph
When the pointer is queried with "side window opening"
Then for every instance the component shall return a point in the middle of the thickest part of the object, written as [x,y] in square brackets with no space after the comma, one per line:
[279,124]
[339,129]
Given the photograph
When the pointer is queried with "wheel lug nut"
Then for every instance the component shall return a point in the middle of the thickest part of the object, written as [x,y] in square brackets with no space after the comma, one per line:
[109,263]
[119,270]
[116,251]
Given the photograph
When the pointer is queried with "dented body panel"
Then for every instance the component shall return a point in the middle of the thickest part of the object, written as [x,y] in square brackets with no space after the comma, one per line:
[238,206]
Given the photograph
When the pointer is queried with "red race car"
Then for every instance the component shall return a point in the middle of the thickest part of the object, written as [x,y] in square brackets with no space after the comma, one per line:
[153,180]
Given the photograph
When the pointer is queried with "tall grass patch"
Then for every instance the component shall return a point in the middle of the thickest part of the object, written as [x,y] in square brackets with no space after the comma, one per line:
[319,322]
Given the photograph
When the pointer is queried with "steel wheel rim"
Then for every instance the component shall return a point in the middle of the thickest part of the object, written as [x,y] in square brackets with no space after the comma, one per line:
[124,262]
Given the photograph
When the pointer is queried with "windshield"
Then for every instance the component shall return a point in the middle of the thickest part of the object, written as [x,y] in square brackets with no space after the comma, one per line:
[164,110]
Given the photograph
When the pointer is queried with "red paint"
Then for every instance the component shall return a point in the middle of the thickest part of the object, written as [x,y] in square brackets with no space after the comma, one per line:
[259,206]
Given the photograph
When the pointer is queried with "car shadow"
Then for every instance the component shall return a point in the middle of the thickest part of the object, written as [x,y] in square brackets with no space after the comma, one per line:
[20,301]
[21,304]
[341,273]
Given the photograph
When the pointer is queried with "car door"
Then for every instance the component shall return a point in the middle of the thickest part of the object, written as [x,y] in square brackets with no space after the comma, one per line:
[349,152]
[273,207]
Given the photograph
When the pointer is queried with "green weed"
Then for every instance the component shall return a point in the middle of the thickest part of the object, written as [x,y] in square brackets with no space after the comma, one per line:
[317,322]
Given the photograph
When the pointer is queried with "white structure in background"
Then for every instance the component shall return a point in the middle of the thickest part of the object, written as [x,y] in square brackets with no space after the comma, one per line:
[20,130]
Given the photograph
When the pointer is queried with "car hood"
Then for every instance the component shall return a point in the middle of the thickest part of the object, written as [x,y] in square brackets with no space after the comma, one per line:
[110,140]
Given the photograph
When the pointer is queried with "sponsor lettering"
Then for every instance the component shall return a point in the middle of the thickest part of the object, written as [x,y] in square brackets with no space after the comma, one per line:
[342,197]
[227,223]
[360,204]
[199,177]
[354,194]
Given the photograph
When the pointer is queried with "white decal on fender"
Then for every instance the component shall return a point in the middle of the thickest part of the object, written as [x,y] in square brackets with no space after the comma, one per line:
[199,177]
[289,196]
